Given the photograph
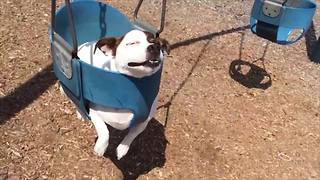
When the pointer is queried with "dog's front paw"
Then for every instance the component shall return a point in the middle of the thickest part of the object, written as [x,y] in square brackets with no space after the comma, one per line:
[99,149]
[122,150]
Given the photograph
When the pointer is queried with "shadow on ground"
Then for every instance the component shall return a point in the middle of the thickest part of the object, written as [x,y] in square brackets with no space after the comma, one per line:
[247,73]
[26,93]
[208,36]
[254,77]
[187,42]
[146,152]
[313,45]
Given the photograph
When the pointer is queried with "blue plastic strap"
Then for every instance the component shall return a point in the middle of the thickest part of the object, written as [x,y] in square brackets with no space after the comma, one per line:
[119,91]
[73,87]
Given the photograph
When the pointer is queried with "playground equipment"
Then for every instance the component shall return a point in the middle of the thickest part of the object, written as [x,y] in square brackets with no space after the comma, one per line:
[282,21]
[83,21]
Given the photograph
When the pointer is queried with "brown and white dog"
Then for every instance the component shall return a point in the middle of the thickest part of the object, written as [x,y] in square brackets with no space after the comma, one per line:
[136,54]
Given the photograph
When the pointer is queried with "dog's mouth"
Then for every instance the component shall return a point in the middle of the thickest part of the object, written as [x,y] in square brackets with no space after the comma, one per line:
[148,63]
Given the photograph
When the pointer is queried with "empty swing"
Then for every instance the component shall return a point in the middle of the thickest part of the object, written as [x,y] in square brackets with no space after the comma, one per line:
[282,21]
[82,21]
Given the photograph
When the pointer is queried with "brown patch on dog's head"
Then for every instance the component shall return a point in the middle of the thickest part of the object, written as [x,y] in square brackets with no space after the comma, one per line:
[108,45]
[164,44]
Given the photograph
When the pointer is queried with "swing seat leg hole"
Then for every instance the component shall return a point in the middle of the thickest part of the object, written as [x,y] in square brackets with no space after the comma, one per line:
[249,75]
[295,34]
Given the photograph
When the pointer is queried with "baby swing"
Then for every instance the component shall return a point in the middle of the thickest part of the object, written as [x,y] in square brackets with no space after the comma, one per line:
[282,21]
[83,21]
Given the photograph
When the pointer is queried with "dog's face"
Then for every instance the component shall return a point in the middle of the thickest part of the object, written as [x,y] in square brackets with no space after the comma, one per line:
[137,54]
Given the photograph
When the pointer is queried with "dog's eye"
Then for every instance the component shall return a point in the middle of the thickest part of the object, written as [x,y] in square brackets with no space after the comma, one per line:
[133,43]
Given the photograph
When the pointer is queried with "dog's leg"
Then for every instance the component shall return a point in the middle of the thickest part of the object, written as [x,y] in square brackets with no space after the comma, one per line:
[102,132]
[123,147]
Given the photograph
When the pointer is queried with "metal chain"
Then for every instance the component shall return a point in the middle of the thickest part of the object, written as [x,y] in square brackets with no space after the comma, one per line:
[72,29]
[163,14]
[102,16]
[72,25]
[53,17]
[71,21]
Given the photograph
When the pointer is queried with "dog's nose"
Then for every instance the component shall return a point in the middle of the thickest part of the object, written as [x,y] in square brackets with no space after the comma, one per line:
[154,48]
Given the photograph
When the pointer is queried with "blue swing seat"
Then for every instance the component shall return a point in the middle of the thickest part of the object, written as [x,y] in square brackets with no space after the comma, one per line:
[275,20]
[86,84]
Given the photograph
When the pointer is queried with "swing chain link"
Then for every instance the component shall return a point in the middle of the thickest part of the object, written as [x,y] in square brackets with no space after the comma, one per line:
[163,15]
[72,25]
[72,30]
[53,17]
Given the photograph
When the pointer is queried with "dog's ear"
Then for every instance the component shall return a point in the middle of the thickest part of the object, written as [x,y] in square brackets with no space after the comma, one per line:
[165,46]
[108,45]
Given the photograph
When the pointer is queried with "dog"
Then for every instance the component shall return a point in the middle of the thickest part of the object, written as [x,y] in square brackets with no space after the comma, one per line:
[137,54]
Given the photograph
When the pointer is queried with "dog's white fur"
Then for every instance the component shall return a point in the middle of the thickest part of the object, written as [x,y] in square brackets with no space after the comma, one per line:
[131,49]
